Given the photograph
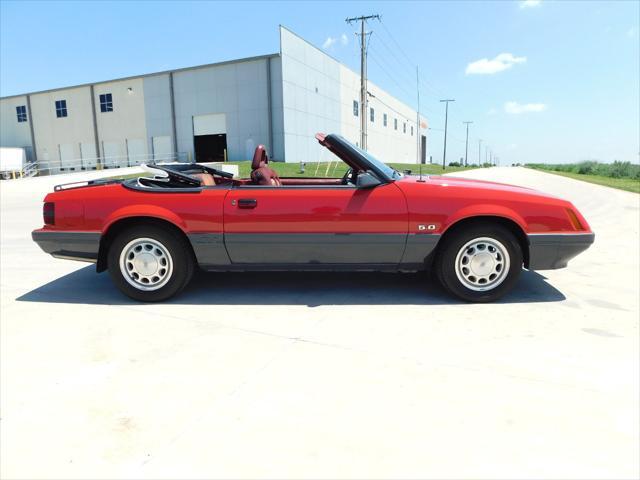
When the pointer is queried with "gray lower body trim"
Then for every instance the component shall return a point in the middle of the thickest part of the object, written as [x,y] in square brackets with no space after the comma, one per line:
[552,251]
[209,248]
[419,247]
[306,267]
[82,246]
[315,248]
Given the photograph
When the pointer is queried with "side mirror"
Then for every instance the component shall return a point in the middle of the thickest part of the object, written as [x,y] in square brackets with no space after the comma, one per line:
[367,180]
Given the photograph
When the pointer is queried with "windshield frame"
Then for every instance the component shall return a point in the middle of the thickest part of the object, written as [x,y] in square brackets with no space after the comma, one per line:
[357,158]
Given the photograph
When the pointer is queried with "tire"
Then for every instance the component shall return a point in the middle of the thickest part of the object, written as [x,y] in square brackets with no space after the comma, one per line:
[480,263]
[149,263]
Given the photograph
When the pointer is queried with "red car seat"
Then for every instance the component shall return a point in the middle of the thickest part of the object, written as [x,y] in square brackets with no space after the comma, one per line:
[261,173]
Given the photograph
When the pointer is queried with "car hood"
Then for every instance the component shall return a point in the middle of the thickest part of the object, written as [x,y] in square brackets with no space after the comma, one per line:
[469,183]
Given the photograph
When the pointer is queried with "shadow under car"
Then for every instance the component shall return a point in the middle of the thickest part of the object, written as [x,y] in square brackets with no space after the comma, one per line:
[84,286]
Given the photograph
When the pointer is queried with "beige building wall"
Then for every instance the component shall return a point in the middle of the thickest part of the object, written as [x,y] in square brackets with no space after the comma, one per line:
[59,140]
[12,132]
[122,132]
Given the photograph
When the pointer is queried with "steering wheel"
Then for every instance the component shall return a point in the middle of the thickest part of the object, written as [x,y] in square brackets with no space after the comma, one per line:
[348,177]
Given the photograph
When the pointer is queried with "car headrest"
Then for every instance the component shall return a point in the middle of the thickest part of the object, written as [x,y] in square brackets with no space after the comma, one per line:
[260,157]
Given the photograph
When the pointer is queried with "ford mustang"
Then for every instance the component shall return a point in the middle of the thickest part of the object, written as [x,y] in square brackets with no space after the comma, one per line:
[152,232]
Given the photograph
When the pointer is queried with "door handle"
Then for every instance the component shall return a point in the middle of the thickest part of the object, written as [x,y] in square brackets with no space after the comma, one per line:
[247,203]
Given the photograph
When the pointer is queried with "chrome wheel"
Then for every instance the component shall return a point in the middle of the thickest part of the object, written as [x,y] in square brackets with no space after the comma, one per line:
[146,264]
[482,264]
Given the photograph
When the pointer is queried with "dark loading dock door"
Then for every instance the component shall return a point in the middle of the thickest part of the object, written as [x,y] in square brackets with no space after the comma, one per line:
[210,148]
[423,149]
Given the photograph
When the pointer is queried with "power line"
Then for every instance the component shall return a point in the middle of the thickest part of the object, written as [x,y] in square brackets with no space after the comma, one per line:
[391,108]
[405,55]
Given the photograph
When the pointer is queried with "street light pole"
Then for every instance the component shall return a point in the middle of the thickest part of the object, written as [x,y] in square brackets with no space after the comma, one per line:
[466,145]
[479,151]
[446,117]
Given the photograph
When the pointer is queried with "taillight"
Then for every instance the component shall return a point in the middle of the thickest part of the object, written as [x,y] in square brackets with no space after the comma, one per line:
[48,213]
[575,221]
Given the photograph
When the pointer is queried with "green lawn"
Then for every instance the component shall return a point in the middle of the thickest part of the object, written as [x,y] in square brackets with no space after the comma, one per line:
[628,184]
[333,169]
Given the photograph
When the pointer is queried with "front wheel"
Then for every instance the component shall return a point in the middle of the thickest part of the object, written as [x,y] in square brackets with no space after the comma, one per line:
[480,263]
[150,264]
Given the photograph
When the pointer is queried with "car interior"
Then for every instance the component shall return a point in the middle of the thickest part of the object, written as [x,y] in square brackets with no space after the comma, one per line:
[193,175]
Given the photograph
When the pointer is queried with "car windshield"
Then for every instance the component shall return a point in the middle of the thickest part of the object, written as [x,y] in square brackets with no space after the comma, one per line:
[380,165]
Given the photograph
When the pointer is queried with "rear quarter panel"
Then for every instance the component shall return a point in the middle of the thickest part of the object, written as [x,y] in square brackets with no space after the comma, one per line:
[97,208]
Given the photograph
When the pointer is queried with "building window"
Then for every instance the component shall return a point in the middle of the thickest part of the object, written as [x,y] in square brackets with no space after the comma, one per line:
[356,107]
[412,130]
[372,114]
[384,119]
[61,108]
[106,103]
[395,124]
[21,111]
[404,127]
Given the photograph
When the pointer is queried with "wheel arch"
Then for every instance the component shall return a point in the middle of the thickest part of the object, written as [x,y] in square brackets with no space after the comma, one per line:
[507,222]
[120,225]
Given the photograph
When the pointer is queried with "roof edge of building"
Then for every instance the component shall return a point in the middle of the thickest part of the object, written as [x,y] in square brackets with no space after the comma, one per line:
[153,74]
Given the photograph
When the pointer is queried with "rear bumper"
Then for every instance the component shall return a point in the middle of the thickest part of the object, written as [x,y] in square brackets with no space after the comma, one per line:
[551,251]
[83,246]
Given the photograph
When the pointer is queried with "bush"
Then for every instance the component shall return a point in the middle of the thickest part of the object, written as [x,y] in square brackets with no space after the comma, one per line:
[454,164]
[616,169]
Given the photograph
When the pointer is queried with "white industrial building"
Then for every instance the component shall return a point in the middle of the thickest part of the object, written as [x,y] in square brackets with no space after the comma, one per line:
[210,112]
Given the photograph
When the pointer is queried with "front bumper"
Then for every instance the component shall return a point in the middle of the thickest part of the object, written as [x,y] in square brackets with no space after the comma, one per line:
[551,251]
[83,246]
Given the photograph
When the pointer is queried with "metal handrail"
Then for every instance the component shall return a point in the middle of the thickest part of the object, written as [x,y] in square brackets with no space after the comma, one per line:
[104,163]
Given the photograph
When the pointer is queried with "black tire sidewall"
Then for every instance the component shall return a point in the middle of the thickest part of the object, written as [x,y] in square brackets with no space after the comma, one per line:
[181,256]
[445,265]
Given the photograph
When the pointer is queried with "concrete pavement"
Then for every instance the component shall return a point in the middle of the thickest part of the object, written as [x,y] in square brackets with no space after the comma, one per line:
[326,375]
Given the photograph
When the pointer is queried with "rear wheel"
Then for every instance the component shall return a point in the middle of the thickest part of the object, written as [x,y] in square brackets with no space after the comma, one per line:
[480,263]
[150,264]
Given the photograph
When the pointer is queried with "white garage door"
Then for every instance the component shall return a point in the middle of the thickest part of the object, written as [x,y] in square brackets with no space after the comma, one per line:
[111,154]
[136,151]
[211,124]
[69,160]
[88,154]
[162,150]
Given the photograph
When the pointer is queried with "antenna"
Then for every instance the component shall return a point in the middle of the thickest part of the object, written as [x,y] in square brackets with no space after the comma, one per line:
[421,180]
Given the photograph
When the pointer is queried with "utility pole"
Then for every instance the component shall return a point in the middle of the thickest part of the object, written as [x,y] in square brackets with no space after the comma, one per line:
[486,154]
[364,111]
[479,151]
[466,145]
[446,117]
[419,160]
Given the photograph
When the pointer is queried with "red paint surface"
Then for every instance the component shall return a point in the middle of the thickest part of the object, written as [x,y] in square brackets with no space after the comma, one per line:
[397,207]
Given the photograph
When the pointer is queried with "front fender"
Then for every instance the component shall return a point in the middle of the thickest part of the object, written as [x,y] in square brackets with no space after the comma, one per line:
[484,210]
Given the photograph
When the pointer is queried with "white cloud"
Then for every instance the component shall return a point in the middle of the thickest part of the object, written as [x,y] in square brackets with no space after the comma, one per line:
[530,3]
[484,66]
[517,108]
[329,42]
[492,111]
[631,32]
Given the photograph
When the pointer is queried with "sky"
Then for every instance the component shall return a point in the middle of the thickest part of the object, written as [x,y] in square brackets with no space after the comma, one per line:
[542,81]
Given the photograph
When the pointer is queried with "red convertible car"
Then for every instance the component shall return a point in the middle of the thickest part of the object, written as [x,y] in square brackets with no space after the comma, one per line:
[152,232]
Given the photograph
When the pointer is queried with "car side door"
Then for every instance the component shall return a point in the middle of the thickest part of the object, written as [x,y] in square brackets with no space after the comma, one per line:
[315,225]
